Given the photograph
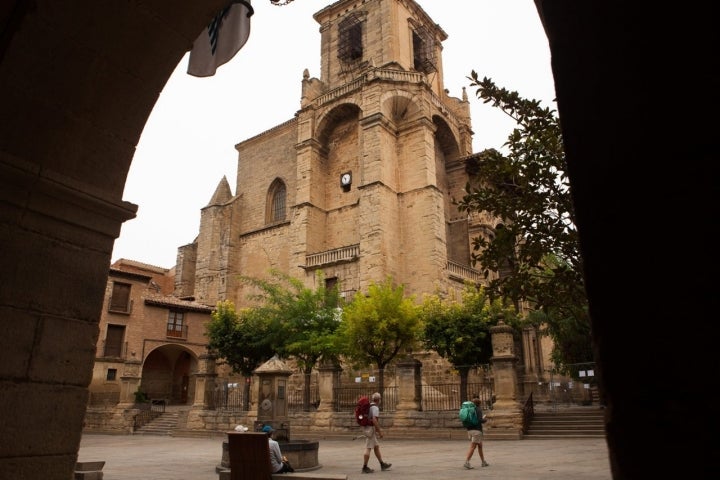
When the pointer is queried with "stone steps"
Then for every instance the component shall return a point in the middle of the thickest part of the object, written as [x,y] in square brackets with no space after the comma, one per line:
[165,424]
[567,423]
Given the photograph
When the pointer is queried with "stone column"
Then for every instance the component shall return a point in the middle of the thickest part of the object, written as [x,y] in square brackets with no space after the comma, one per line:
[328,379]
[504,361]
[409,383]
[408,380]
[273,396]
[204,381]
[204,388]
[129,383]
[506,416]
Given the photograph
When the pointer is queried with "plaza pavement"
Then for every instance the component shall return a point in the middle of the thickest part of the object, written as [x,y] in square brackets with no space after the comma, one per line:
[149,457]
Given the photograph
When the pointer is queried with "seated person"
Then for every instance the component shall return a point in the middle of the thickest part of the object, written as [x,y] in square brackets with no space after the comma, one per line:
[278,463]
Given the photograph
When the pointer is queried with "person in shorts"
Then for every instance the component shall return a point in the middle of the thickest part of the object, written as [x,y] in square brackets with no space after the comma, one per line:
[475,435]
[372,433]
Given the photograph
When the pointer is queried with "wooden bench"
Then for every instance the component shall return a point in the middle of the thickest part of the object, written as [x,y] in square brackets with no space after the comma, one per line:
[245,448]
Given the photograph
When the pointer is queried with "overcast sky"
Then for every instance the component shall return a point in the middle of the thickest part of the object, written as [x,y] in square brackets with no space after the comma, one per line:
[188,143]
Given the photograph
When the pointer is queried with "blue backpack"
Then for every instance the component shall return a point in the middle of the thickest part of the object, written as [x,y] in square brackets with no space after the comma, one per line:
[468,414]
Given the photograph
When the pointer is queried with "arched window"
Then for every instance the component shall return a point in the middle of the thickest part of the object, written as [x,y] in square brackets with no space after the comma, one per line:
[350,38]
[277,195]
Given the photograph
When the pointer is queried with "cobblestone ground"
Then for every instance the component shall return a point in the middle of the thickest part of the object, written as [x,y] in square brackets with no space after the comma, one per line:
[147,457]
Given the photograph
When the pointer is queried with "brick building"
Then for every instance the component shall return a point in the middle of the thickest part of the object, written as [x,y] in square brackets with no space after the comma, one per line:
[149,339]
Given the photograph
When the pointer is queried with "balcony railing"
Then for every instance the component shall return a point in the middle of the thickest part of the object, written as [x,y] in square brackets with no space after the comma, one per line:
[177,331]
[342,254]
[461,272]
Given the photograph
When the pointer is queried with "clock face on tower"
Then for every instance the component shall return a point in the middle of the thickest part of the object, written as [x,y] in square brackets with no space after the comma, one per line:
[345,179]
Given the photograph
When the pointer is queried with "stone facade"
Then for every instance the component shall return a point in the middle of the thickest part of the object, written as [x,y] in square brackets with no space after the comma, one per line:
[384,118]
[380,113]
[149,340]
[67,145]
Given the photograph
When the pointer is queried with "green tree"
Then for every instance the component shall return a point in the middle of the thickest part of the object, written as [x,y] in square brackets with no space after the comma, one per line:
[304,320]
[242,341]
[536,248]
[378,326]
[459,331]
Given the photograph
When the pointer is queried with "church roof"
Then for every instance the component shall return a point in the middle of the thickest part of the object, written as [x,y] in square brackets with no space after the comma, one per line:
[222,194]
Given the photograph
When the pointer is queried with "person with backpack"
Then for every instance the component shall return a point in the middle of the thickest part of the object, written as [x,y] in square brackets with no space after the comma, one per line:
[475,434]
[372,432]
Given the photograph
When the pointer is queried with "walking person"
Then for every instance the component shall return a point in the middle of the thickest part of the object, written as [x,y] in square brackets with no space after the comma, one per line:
[475,434]
[372,434]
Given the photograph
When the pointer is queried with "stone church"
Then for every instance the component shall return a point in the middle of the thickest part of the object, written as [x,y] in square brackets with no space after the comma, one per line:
[74,106]
[360,182]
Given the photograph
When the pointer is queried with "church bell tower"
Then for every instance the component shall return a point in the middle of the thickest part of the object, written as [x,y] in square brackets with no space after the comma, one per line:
[379,150]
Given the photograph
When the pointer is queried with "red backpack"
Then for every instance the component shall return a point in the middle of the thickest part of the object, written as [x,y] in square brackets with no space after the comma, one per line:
[362,412]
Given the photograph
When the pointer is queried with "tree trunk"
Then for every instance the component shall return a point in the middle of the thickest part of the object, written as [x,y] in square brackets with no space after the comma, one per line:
[464,383]
[246,394]
[306,389]
[381,380]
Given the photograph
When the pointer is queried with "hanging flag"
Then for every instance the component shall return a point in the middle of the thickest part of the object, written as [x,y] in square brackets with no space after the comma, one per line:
[221,39]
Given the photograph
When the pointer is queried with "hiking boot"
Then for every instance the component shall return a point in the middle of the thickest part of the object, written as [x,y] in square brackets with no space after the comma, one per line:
[385,466]
[468,466]
[367,469]
[485,464]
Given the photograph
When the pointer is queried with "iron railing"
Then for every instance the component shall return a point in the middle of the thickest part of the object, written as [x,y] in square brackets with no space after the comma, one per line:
[434,397]
[446,396]
[528,413]
[345,398]
[148,411]
[226,398]
[572,384]
[296,402]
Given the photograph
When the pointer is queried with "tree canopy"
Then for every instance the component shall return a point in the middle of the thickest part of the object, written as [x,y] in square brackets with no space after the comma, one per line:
[379,325]
[459,330]
[535,246]
[303,320]
[241,340]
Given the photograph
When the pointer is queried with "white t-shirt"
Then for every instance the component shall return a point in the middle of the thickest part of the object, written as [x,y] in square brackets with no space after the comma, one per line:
[275,455]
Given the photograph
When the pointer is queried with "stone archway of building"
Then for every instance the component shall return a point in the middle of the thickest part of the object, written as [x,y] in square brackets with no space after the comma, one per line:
[77,86]
[167,374]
